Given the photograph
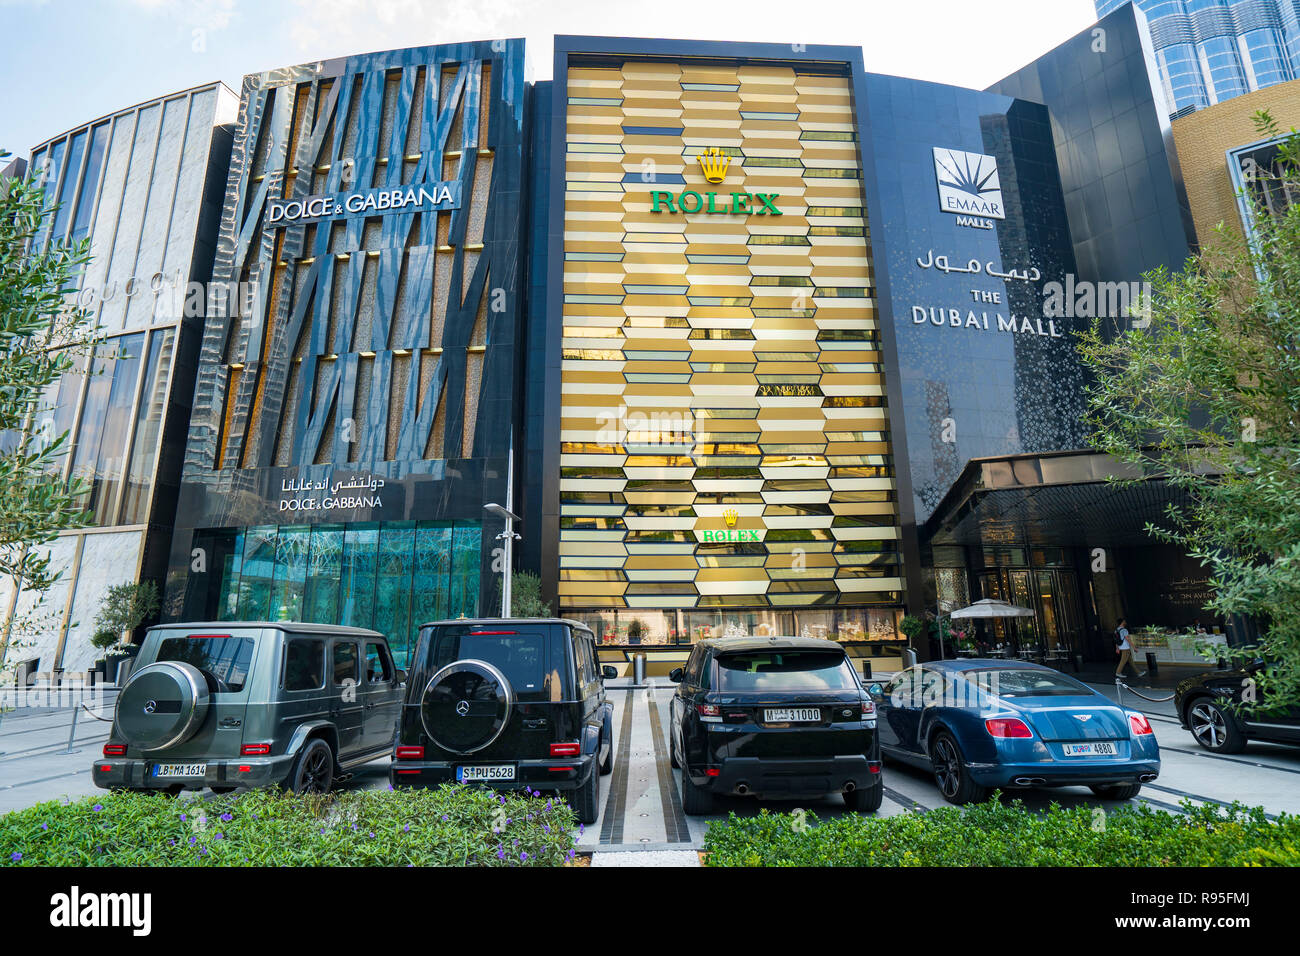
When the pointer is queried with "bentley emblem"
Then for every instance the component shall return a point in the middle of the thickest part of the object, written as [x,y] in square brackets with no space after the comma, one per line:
[462,708]
[150,706]
[1084,717]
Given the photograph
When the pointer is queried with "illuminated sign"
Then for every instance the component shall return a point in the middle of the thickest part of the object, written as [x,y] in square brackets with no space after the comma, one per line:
[427,197]
[729,518]
[714,163]
[968,184]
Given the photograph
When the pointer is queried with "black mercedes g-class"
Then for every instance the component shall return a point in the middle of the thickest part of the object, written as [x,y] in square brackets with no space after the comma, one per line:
[509,703]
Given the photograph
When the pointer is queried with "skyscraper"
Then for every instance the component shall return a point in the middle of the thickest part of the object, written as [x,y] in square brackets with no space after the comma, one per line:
[1212,50]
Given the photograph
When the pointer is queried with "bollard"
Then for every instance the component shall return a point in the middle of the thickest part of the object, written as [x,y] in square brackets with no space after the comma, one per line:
[638,670]
[866,669]
[909,659]
[1152,666]
[72,733]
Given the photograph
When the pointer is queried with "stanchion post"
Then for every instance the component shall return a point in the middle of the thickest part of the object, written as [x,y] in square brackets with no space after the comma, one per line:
[72,734]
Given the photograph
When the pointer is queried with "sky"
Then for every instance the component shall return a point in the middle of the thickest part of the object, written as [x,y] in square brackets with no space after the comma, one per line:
[65,62]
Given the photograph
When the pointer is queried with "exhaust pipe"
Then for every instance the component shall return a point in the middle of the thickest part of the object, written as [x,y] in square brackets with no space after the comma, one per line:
[742,788]
[1028,781]
[850,787]
[1147,777]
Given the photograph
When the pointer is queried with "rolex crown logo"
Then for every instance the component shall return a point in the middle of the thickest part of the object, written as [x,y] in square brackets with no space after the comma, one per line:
[730,516]
[714,162]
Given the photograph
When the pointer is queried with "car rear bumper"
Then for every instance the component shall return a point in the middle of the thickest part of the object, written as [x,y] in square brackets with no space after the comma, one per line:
[1064,775]
[767,777]
[562,773]
[125,773]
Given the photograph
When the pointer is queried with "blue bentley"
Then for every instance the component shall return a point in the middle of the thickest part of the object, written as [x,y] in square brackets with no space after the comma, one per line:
[980,724]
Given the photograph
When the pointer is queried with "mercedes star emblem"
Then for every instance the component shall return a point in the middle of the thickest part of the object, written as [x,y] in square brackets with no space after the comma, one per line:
[462,708]
[150,706]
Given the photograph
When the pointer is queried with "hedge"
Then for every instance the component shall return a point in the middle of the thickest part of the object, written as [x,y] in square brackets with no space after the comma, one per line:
[451,826]
[1008,834]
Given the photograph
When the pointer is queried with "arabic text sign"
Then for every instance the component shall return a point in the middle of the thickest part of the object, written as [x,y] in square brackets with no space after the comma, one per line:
[327,494]
[426,197]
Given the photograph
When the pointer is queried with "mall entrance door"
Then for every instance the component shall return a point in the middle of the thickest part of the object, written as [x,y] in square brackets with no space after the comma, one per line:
[1054,634]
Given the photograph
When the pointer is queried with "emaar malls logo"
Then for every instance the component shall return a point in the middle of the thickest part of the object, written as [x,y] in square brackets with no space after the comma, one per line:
[968,183]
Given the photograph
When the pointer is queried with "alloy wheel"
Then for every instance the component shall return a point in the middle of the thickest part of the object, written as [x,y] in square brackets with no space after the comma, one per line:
[947,767]
[1208,726]
[316,771]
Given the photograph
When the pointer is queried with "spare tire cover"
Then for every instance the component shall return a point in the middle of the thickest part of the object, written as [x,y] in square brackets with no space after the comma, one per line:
[466,705]
[162,705]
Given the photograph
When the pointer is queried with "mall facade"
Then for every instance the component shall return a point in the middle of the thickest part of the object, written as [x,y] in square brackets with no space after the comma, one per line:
[752,339]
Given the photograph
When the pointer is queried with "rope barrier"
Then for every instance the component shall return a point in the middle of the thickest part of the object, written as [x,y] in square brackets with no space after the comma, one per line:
[1155,700]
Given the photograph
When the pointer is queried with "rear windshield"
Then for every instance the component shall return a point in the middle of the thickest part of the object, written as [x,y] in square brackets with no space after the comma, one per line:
[528,657]
[1018,682]
[224,660]
[785,670]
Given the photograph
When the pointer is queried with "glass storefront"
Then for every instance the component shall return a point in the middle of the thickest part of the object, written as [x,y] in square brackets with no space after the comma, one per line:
[389,576]
[625,626]
[1055,633]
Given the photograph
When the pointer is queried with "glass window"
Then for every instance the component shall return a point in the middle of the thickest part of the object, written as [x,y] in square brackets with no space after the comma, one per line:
[256,573]
[1013,682]
[784,671]
[532,662]
[346,665]
[394,571]
[432,573]
[223,660]
[290,574]
[466,559]
[148,427]
[90,183]
[304,664]
[379,667]
[106,421]
[68,184]
[324,568]
[357,586]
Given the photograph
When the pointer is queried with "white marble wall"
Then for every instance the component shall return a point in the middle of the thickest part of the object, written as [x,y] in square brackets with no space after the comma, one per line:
[36,631]
[106,559]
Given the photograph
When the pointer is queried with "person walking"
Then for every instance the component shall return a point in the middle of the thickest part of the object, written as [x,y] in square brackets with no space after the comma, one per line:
[1125,650]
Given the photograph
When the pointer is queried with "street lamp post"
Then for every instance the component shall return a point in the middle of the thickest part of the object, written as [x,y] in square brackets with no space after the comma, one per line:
[508,538]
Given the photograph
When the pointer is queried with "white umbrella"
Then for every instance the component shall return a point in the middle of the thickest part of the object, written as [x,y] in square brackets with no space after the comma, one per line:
[989,608]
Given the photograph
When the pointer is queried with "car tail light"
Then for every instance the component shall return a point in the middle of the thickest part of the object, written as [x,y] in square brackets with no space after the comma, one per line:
[245,769]
[874,766]
[114,750]
[1007,727]
[709,713]
[486,633]
[559,769]
[1139,723]
[409,753]
[566,749]
[254,750]
[868,709]
[105,768]
[713,772]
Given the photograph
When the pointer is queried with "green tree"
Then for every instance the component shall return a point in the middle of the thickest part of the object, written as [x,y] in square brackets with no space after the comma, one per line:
[41,338]
[125,607]
[526,596]
[1204,392]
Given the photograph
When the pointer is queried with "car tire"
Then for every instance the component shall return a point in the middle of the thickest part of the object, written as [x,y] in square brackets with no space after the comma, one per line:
[1214,728]
[1117,791]
[586,800]
[672,750]
[313,770]
[951,774]
[606,765]
[696,801]
[865,799]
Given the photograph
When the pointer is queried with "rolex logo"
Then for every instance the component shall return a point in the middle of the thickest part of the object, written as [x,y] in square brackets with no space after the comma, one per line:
[714,162]
[730,516]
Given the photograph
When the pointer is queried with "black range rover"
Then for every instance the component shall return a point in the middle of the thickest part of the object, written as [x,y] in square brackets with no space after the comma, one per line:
[780,717]
[508,703]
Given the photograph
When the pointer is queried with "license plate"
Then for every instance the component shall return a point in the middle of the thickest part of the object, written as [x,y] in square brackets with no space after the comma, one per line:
[180,769]
[489,773]
[1089,750]
[792,715]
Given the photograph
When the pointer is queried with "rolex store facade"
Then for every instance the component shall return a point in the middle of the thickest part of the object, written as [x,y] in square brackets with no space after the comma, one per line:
[722,459]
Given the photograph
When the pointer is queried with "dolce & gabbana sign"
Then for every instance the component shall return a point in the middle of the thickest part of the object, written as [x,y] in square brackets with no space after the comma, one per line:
[428,197]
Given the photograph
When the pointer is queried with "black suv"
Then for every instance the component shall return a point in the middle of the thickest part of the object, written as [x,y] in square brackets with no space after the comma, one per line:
[226,705]
[780,717]
[510,703]
[1209,705]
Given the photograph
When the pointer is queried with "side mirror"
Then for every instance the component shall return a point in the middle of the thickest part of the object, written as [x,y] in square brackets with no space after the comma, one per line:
[608,671]
[401,676]
[875,690]
[675,675]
